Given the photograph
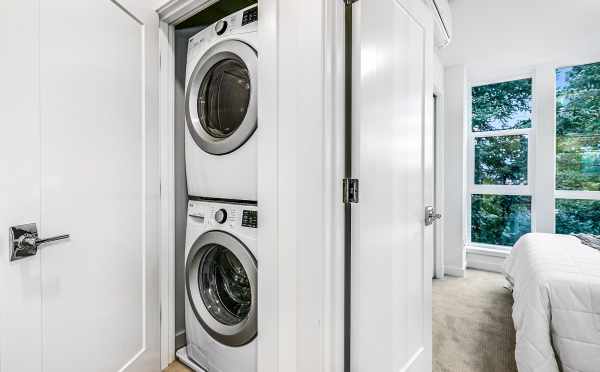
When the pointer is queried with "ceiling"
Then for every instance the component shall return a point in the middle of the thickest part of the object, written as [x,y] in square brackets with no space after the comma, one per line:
[516,32]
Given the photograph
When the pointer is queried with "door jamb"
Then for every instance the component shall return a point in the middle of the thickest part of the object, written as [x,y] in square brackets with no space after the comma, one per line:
[170,14]
[439,269]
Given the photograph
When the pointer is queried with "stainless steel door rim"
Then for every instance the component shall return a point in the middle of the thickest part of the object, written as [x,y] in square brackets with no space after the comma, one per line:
[236,331]
[235,50]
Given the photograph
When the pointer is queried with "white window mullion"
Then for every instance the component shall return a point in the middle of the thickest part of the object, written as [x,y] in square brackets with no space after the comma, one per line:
[580,195]
[500,190]
[503,133]
[544,149]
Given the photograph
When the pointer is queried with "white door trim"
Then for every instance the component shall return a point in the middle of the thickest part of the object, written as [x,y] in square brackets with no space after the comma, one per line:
[282,333]
[439,270]
[170,14]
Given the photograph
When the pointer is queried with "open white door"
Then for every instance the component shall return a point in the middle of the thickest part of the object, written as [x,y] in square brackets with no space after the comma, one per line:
[79,153]
[392,157]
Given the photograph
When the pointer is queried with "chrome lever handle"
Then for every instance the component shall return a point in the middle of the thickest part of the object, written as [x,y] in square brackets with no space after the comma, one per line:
[24,241]
[431,215]
[52,239]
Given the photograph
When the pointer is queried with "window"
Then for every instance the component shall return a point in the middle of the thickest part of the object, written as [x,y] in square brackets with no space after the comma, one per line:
[578,149]
[521,170]
[500,195]
[500,219]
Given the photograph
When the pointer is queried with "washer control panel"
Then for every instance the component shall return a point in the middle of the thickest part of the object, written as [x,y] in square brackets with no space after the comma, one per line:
[250,219]
[231,215]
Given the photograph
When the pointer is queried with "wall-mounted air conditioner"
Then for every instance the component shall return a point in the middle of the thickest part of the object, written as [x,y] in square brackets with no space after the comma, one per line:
[443,22]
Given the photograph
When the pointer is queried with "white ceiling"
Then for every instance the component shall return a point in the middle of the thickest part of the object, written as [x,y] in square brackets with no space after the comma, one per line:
[505,33]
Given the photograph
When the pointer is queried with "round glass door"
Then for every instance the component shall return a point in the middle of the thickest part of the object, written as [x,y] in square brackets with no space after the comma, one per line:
[221,284]
[221,98]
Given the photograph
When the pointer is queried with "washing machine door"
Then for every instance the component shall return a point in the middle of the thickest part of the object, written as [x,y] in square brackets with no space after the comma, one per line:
[221,281]
[221,97]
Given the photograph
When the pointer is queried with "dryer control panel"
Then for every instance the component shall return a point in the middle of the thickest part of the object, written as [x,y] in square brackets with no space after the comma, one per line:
[249,16]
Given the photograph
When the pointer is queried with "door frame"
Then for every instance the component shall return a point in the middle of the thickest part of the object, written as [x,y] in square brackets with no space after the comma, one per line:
[285,325]
[438,124]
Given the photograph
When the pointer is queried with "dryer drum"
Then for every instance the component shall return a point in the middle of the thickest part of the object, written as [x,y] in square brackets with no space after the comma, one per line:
[221,97]
[221,281]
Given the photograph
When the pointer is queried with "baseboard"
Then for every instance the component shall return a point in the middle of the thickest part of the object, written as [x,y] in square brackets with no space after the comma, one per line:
[180,339]
[454,271]
[485,262]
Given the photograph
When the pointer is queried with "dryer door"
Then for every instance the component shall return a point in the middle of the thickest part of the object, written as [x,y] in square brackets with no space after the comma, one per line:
[221,278]
[221,97]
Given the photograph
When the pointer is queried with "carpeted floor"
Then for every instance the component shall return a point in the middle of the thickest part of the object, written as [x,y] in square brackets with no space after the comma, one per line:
[472,324]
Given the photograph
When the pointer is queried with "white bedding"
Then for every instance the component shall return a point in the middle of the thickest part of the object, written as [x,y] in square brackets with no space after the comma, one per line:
[557,303]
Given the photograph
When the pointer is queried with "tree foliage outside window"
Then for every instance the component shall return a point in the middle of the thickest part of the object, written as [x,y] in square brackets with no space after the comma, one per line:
[578,128]
[501,106]
[499,219]
[577,216]
[578,147]
[501,160]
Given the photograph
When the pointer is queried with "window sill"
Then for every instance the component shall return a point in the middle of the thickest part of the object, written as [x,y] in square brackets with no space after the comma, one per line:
[488,251]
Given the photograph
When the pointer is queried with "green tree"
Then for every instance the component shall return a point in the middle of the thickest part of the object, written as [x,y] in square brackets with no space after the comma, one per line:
[501,160]
[500,219]
[500,106]
[578,128]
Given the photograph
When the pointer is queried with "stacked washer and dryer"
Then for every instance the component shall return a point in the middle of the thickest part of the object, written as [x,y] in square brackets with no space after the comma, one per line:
[221,167]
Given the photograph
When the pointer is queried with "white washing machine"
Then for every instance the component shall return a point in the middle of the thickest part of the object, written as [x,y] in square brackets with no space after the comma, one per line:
[221,109]
[221,284]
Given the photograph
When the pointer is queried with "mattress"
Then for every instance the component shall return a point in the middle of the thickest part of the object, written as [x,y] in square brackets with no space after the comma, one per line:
[556,288]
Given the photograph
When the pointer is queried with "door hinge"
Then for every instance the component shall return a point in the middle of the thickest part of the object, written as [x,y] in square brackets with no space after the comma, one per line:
[350,192]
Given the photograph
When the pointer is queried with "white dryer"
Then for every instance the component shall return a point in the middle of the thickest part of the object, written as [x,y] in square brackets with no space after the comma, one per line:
[221,109]
[221,286]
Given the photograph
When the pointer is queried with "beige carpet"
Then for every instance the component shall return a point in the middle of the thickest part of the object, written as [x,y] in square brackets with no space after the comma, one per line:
[472,324]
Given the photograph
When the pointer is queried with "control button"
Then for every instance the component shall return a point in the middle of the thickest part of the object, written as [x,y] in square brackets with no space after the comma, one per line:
[220,27]
[250,15]
[221,216]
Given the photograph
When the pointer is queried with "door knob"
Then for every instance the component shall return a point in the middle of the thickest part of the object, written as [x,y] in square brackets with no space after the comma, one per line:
[431,215]
[25,242]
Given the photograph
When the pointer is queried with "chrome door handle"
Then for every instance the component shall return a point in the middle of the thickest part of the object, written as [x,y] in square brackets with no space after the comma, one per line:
[431,215]
[25,242]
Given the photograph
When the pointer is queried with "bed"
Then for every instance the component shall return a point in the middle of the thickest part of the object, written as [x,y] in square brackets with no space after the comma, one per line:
[556,288]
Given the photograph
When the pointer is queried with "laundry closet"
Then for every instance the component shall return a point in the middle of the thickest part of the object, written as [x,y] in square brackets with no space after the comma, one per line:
[216,211]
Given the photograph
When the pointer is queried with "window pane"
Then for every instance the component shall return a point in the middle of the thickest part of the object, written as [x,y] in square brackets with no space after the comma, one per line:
[499,219]
[501,160]
[577,216]
[578,128]
[501,106]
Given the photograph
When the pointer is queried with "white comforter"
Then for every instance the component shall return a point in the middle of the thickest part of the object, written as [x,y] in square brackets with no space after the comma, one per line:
[557,303]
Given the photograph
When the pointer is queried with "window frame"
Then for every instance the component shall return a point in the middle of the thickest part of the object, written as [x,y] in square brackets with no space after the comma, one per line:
[471,136]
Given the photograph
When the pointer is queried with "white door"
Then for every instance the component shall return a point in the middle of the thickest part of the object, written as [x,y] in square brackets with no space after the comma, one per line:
[79,156]
[392,157]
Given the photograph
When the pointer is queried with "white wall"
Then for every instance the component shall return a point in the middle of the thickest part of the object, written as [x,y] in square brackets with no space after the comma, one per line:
[495,40]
